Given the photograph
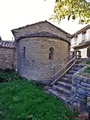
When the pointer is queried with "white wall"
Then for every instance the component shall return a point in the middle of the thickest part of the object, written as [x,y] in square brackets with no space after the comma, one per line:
[83,52]
[79,39]
[88,34]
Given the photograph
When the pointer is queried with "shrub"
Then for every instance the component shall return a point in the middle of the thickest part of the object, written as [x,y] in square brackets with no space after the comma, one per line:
[87,70]
[9,70]
[8,75]
[1,79]
[88,62]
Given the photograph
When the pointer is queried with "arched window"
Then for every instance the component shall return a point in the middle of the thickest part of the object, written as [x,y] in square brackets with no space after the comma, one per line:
[51,53]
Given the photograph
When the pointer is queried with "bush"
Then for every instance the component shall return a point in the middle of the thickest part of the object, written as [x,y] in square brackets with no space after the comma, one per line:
[88,62]
[9,70]
[1,69]
[1,79]
[8,75]
[87,70]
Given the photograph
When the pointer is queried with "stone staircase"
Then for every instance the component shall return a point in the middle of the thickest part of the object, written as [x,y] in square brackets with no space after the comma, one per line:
[62,88]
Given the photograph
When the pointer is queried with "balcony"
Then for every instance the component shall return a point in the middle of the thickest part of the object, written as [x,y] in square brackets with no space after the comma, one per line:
[81,43]
[85,42]
[85,39]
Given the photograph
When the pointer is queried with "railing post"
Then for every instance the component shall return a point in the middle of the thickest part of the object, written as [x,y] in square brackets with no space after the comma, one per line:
[71,54]
[75,53]
[53,72]
[56,79]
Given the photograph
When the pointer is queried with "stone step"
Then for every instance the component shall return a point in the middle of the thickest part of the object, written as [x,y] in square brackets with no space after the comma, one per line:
[66,80]
[79,65]
[61,90]
[75,68]
[64,85]
[71,72]
[60,96]
[69,76]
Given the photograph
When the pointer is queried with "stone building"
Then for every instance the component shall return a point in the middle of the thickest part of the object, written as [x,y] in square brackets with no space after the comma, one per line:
[39,47]
[7,55]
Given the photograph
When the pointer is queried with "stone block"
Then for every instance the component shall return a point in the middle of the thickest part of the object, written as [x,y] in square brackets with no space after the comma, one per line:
[88,99]
[88,93]
[88,103]
[85,84]
[81,91]
[88,80]
[73,89]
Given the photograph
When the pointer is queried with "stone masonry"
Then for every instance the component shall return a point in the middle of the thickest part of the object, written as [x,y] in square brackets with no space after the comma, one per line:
[7,55]
[36,64]
[33,44]
[81,91]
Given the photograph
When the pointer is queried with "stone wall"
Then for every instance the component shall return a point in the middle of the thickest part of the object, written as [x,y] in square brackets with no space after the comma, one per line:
[34,62]
[7,57]
[81,91]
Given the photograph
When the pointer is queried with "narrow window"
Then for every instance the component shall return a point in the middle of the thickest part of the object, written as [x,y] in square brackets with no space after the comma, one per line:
[51,53]
[24,52]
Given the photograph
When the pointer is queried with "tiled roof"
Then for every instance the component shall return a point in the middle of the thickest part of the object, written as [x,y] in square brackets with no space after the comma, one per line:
[82,30]
[7,44]
[42,34]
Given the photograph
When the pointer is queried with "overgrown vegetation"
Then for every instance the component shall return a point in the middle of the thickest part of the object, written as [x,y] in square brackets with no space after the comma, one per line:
[8,75]
[87,70]
[88,62]
[24,100]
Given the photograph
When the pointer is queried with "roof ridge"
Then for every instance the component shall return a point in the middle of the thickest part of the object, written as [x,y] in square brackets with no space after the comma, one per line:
[40,34]
[80,30]
[38,23]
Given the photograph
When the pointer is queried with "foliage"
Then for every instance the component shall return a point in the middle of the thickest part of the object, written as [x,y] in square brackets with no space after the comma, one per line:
[72,9]
[8,75]
[21,99]
[88,62]
[87,70]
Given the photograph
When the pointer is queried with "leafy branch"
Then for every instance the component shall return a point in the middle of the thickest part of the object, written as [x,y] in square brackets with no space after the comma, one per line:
[72,9]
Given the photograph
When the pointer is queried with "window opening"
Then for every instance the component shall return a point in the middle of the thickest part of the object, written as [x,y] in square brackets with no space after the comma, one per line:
[51,53]
[24,52]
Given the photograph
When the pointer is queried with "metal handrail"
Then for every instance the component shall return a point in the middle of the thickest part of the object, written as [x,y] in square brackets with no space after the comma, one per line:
[63,69]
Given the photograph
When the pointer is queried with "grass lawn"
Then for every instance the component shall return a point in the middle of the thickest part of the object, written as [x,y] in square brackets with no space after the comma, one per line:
[24,100]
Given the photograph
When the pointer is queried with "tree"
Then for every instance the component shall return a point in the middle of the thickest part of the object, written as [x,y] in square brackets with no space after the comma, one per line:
[72,9]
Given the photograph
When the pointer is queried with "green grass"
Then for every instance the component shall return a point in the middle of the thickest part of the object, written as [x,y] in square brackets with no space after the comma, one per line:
[24,100]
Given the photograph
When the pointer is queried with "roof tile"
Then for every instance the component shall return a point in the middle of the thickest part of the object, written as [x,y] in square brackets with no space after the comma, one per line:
[7,44]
